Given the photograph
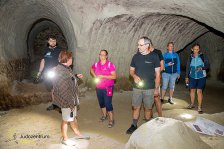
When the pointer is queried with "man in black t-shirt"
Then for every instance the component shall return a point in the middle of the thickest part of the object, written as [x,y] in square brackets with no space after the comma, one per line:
[50,56]
[49,60]
[145,70]
[159,53]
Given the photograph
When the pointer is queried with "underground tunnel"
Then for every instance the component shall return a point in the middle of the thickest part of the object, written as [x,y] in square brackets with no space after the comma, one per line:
[86,27]
[37,41]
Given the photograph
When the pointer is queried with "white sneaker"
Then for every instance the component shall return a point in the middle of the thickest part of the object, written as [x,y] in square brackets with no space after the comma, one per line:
[170,101]
[68,142]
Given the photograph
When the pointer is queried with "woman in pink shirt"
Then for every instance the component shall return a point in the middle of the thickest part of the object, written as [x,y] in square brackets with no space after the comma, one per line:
[104,73]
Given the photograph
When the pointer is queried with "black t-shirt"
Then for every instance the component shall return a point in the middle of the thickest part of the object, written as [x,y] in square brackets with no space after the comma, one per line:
[159,54]
[145,68]
[50,57]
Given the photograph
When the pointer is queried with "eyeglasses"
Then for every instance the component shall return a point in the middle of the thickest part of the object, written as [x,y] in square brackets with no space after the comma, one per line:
[196,49]
[142,44]
[102,55]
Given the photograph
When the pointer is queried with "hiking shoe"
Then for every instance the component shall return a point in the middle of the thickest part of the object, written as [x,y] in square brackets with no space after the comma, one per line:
[200,110]
[170,101]
[103,118]
[111,124]
[191,106]
[131,129]
[68,142]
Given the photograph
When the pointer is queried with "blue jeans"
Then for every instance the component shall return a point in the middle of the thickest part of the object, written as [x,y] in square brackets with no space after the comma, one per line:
[104,100]
[169,79]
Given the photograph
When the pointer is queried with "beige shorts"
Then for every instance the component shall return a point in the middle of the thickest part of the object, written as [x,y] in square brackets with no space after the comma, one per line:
[66,114]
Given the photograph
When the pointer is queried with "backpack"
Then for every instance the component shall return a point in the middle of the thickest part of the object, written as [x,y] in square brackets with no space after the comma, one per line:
[203,60]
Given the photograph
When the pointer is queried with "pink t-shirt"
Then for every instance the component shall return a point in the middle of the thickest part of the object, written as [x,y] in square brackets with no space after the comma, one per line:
[104,69]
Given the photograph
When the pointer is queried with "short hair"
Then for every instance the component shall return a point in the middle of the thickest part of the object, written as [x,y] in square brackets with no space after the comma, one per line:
[147,40]
[52,37]
[104,51]
[170,43]
[196,44]
[64,56]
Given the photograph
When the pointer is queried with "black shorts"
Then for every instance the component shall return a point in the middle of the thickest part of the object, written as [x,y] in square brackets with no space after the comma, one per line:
[197,83]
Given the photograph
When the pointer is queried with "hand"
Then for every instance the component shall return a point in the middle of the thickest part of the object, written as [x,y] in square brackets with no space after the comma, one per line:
[186,80]
[37,78]
[38,74]
[80,76]
[170,63]
[156,92]
[100,76]
[199,69]
[136,79]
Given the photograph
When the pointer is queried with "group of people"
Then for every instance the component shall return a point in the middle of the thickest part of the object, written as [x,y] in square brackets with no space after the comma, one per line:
[146,68]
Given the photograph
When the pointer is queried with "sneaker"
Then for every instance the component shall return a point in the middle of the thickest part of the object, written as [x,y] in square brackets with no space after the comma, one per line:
[170,101]
[103,118]
[191,106]
[111,124]
[68,142]
[200,110]
[131,129]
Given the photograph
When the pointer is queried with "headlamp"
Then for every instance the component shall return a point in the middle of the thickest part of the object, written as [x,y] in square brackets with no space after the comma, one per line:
[50,74]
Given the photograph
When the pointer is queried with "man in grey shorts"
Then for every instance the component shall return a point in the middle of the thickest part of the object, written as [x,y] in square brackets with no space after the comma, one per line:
[145,70]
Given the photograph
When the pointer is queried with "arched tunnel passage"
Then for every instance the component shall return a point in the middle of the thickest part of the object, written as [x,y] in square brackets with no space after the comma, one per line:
[87,27]
[118,34]
[37,41]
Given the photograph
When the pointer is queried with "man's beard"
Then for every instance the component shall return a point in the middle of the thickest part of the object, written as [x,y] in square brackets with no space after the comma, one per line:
[52,46]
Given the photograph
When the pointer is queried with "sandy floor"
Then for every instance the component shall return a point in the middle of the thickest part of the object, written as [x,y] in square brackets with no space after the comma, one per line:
[17,124]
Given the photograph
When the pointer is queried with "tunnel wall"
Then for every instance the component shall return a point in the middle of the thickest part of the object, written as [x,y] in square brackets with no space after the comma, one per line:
[91,25]
[119,35]
[115,25]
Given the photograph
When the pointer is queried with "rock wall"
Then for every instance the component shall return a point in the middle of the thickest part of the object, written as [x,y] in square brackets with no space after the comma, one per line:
[116,25]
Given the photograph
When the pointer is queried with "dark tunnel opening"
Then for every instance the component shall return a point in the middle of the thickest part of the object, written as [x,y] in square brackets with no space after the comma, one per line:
[37,41]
